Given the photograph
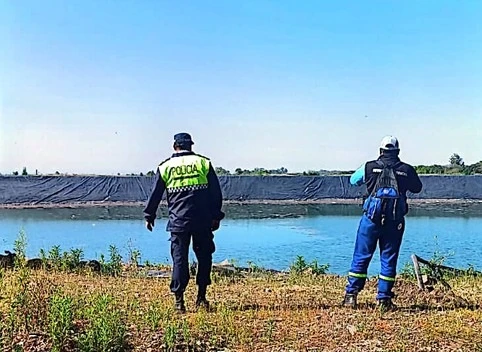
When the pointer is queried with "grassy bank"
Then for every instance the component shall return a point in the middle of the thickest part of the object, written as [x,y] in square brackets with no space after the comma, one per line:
[66,311]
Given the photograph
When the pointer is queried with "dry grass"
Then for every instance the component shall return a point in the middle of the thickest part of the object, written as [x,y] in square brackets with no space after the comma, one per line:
[43,311]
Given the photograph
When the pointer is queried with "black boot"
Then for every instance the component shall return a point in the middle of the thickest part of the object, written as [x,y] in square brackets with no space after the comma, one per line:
[179,305]
[201,301]
[386,305]
[350,300]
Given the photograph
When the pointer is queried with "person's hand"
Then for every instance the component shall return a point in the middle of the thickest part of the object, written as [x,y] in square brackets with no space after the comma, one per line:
[215,225]
[149,224]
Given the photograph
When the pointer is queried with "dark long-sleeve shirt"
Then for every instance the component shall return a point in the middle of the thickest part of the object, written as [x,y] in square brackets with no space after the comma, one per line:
[407,177]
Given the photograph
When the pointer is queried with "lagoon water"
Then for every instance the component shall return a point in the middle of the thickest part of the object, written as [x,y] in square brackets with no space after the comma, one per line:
[267,235]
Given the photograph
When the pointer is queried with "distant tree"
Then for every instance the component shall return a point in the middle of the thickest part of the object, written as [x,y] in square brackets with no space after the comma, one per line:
[141,174]
[259,171]
[311,173]
[150,173]
[222,171]
[15,173]
[431,169]
[280,171]
[474,169]
[24,171]
[456,160]
[238,171]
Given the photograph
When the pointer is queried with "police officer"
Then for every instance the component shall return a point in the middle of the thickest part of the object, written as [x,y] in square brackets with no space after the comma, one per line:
[387,180]
[194,201]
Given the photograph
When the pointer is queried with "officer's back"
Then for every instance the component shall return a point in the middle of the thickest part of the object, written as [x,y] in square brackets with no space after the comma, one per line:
[194,201]
[193,193]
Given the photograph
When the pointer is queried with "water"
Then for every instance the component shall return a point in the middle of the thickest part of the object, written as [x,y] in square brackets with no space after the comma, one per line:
[269,236]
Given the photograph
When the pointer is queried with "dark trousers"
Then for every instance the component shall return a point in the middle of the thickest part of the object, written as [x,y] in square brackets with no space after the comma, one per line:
[203,246]
[389,237]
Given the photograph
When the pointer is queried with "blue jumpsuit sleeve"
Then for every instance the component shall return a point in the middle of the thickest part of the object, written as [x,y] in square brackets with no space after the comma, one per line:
[358,177]
[155,198]
[215,194]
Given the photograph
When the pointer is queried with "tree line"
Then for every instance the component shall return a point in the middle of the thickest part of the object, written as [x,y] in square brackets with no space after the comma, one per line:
[456,166]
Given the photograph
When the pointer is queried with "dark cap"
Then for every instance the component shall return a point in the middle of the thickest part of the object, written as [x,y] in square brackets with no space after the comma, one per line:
[183,138]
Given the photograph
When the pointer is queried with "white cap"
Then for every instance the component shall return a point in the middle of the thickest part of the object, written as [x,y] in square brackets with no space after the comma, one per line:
[389,143]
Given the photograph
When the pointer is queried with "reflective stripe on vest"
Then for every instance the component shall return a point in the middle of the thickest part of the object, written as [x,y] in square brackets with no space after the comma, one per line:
[358,276]
[185,173]
[386,278]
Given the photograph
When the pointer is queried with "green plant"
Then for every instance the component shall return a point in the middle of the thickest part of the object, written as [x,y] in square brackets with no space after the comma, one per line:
[74,257]
[20,248]
[43,256]
[270,328]
[407,271]
[55,257]
[60,320]
[134,255]
[115,261]
[71,260]
[318,269]
[440,258]
[154,316]
[106,330]
[254,268]
[186,332]
[114,265]
[170,334]
[300,266]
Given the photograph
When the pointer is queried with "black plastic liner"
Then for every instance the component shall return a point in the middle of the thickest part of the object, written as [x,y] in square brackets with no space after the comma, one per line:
[38,190]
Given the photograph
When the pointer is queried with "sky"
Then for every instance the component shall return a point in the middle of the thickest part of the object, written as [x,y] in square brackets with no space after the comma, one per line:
[102,86]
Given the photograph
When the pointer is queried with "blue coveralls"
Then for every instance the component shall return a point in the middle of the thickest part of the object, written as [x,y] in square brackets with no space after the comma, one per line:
[389,237]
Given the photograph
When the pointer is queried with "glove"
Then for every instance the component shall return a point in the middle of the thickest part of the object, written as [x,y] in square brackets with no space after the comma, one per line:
[149,224]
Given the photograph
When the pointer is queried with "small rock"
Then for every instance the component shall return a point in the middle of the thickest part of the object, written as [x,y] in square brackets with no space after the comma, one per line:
[351,329]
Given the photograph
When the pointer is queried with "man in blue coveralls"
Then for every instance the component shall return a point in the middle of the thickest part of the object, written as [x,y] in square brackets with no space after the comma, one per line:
[387,180]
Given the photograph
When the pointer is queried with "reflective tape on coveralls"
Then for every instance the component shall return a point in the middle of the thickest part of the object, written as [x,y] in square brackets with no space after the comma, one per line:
[185,173]
[359,276]
[386,278]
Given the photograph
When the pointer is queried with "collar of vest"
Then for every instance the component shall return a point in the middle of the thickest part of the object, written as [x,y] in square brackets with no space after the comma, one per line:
[182,153]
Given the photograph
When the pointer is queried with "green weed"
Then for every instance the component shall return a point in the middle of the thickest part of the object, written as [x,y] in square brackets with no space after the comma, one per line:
[60,320]
[106,331]
[300,266]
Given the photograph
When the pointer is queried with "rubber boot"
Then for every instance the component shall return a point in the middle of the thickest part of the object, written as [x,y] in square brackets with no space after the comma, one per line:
[350,300]
[386,305]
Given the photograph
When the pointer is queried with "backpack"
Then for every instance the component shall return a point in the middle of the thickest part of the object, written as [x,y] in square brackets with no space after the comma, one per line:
[383,202]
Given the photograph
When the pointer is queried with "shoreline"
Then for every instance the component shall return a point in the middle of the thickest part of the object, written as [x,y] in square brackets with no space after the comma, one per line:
[325,201]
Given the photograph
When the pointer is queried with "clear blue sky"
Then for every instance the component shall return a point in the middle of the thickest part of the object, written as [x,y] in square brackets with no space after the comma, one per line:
[101,86]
